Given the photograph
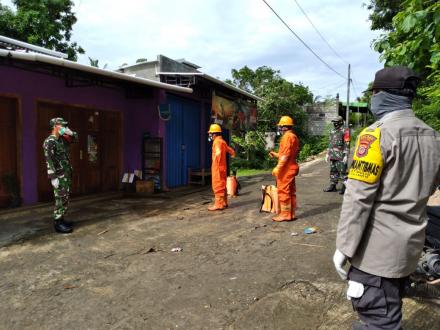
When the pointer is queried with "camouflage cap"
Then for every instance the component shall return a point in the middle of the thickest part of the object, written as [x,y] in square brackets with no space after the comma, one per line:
[57,121]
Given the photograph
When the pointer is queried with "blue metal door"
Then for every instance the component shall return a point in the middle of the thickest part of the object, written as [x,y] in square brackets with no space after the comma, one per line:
[182,140]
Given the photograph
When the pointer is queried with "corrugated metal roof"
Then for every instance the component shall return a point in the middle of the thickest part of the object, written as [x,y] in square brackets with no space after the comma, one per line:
[215,80]
[13,44]
[35,57]
[356,104]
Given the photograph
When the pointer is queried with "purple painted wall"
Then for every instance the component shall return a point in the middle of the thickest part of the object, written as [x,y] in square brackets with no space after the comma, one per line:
[139,116]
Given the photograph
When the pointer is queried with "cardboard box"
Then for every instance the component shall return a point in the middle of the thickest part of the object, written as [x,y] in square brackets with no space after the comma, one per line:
[145,187]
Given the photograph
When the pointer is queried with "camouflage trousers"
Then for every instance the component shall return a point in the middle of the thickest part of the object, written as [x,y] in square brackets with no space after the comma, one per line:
[338,171]
[62,194]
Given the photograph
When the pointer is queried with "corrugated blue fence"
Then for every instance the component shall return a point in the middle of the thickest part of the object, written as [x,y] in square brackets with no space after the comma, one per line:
[182,140]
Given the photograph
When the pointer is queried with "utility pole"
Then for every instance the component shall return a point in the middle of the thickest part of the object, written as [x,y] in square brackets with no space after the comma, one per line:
[347,111]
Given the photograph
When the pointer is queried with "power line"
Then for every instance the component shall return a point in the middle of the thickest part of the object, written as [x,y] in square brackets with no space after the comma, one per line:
[354,88]
[303,42]
[319,33]
[337,87]
[356,84]
[329,88]
[353,81]
[330,85]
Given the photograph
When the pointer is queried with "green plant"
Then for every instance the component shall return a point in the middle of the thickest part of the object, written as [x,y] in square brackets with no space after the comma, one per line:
[312,145]
[12,187]
[43,23]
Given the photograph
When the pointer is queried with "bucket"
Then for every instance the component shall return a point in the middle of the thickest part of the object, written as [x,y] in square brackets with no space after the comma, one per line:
[231,185]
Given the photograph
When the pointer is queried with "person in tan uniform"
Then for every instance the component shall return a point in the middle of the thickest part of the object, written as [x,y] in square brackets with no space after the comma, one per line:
[381,230]
[286,170]
[218,167]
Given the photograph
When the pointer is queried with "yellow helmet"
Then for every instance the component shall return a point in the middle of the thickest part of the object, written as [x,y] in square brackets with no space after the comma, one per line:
[215,128]
[285,121]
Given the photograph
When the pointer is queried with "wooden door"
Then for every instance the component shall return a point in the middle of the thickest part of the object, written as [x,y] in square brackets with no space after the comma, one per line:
[111,155]
[91,150]
[45,112]
[95,158]
[74,117]
[8,148]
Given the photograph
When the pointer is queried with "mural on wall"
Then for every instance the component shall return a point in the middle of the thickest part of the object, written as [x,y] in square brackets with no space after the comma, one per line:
[238,115]
[245,117]
[223,111]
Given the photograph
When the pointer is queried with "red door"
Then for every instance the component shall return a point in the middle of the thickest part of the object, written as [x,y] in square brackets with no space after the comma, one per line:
[9,180]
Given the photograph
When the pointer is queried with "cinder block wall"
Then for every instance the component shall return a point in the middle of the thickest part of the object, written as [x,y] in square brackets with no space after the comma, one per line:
[320,115]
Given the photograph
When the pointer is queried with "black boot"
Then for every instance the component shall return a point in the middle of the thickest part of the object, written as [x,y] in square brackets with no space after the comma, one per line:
[69,223]
[62,227]
[342,191]
[330,188]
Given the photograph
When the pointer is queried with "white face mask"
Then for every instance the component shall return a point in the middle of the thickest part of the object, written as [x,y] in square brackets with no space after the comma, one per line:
[210,138]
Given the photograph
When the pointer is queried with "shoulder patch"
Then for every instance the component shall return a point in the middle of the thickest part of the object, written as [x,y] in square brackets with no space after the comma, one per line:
[367,162]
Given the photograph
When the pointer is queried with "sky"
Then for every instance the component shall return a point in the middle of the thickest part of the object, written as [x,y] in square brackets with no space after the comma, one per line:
[220,35]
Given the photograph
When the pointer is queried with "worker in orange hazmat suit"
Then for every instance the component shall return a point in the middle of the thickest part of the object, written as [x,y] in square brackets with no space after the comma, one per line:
[218,167]
[286,169]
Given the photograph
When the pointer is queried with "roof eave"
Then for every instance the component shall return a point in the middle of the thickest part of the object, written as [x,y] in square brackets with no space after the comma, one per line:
[34,57]
[211,78]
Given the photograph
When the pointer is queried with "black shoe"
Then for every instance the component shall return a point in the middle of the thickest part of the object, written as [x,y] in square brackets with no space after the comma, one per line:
[342,191]
[62,227]
[330,188]
[69,223]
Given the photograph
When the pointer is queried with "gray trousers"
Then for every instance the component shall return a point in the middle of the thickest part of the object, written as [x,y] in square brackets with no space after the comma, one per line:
[380,307]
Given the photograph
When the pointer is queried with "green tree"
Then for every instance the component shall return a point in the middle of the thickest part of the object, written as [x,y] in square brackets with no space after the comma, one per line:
[382,13]
[415,42]
[251,81]
[280,97]
[46,23]
[95,63]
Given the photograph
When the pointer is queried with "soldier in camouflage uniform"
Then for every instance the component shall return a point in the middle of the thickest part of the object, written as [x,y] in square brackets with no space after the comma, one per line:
[337,155]
[59,170]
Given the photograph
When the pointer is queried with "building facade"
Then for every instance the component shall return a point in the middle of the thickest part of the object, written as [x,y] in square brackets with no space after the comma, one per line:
[114,114]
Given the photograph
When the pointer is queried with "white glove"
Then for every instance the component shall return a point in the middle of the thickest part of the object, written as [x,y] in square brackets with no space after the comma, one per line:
[355,289]
[345,159]
[339,259]
[327,158]
[55,183]
[68,131]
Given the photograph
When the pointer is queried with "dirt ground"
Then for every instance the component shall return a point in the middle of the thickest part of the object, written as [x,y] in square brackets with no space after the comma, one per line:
[237,269]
